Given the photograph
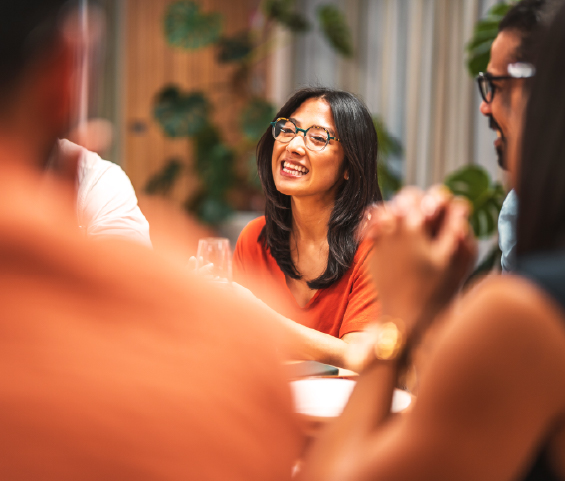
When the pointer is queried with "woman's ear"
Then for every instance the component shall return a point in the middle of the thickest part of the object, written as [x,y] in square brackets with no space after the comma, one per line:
[346,175]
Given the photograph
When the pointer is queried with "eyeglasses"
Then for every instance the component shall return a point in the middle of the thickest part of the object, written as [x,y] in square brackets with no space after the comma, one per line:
[515,71]
[315,138]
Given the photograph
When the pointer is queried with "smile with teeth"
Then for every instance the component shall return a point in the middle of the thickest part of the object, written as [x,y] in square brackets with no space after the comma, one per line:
[294,169]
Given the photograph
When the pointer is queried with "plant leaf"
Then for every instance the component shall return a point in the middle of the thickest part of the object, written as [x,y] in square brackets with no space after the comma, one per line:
[213,211]
[214,162]
[486,30]
[256,117]
[282,11]
[163,181]
[181,115]
[473,183]
[186,27]
[335,29]
[389,183]
[389,145]
[234,49]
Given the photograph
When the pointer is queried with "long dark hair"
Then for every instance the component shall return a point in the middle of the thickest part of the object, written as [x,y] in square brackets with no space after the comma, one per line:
[541,188]
[358,137]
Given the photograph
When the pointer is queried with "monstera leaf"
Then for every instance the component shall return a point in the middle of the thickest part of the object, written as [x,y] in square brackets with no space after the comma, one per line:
[162,182]
[214,162]
[486,30]
[234,49]
[389,145]
[335,29]
[283,12]
[186,27]
[256,117]
[473,182]
[181,115]
[213,211]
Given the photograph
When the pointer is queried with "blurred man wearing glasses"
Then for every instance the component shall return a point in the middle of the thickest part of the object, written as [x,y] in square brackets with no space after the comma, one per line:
[114,364]
[504,90]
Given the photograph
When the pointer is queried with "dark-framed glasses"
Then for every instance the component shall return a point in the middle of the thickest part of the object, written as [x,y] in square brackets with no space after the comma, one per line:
[315,138]
[515,71]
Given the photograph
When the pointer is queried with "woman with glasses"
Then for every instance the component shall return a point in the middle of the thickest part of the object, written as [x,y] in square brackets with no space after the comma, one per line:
[317,163]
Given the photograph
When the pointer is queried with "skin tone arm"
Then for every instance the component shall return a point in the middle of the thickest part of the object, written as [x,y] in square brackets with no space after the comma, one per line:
[306,343]
[489,393]
[486,401]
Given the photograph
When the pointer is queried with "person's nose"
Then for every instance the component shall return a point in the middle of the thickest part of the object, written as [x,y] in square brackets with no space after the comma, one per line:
[485,108]
[297,144]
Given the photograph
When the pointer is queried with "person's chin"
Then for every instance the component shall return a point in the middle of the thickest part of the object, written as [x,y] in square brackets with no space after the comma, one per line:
[499,147]
[501,158]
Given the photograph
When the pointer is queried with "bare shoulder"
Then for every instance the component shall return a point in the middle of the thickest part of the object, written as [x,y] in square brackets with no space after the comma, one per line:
[507,328]
[514,299]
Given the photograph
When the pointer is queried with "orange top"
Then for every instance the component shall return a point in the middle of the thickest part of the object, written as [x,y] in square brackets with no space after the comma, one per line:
[347,306]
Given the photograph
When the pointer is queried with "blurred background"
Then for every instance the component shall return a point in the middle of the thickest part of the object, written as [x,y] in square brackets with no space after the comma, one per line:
[190,86]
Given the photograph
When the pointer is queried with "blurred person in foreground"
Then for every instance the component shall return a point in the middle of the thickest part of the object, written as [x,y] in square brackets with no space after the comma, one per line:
[492,398]
[512,60]
[318,166]
[115,365]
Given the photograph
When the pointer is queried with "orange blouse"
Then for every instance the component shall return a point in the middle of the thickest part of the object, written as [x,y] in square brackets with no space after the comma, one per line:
[347,306]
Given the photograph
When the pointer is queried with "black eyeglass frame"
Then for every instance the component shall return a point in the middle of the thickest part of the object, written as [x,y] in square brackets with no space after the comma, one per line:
[486,78]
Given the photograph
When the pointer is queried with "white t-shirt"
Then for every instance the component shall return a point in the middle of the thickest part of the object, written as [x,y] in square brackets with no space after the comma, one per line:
[106,201]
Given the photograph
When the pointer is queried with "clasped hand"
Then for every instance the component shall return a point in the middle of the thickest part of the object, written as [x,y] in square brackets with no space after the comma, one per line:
[423,251]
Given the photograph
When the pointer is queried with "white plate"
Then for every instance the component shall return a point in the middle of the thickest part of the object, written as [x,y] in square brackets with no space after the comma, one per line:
[326,398]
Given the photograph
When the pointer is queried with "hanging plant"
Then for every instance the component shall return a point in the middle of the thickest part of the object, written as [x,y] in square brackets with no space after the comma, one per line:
[335,29]
[486,30]
[473,183]
[186,27]
[180,115]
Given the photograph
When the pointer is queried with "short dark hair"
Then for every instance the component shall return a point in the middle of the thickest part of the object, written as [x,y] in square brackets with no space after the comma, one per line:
[358,137]
[27,28]
[541,217]
[528,19]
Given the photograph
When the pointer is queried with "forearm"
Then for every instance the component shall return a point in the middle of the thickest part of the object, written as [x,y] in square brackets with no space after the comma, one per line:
[339,450]
[309,343]
[306,343]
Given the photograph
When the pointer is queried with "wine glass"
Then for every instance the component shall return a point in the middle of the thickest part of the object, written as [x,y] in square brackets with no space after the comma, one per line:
[215,254]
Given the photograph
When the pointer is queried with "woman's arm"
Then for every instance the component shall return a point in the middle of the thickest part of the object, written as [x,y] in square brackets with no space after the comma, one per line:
[306,343]
[486,402]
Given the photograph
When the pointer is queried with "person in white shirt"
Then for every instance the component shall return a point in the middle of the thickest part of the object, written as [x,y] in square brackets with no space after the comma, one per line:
[106,201]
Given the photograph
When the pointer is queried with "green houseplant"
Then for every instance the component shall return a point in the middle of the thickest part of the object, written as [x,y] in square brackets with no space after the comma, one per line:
[189,114]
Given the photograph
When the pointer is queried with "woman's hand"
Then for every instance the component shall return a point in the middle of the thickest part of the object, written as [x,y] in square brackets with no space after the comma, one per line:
[423,249]
[204,270]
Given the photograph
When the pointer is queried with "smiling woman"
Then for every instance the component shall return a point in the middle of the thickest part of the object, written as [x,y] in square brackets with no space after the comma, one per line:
[318,167]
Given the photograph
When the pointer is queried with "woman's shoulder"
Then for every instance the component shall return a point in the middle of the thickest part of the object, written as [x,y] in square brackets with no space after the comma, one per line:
[248,240]
[252,230]
[515,312]
[499,293]
[362,254]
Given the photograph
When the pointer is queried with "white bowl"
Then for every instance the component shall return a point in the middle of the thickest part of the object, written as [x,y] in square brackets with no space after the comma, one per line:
[326,398]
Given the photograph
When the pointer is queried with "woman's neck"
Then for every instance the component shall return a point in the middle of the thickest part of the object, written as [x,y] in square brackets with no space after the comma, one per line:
[310,219]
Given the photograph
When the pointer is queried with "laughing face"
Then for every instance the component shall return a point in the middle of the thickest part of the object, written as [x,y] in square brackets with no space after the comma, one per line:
[298,171]
[503,110]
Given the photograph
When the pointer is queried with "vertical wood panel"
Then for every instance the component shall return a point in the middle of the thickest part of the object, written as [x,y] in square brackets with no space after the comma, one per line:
[151,64]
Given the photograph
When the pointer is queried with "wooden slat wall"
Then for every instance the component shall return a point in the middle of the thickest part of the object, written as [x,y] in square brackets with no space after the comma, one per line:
[151,64]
